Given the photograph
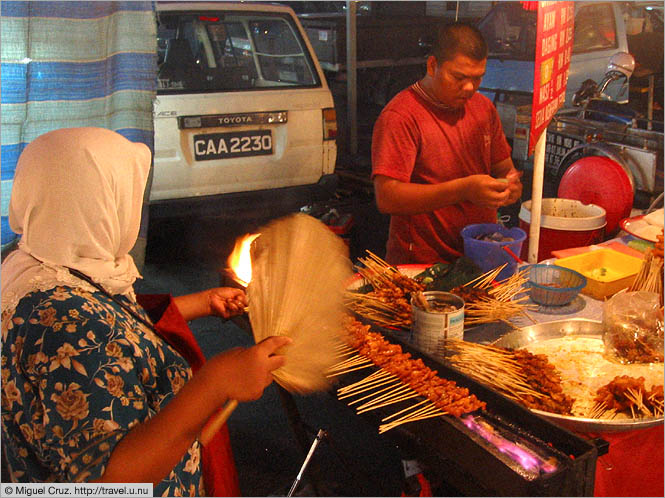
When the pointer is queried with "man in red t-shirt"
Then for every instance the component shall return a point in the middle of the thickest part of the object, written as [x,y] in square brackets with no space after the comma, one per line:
[440,160]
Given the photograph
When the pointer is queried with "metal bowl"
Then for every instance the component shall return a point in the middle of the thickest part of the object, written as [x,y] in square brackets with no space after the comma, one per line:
[579,327]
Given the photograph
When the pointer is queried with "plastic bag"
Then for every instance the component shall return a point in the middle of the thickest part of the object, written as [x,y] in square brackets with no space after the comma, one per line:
[633,327]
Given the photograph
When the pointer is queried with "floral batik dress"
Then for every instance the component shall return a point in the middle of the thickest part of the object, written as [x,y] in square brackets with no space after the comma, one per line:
[78,372]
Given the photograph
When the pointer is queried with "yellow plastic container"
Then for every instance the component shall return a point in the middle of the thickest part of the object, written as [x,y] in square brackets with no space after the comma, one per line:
[607,271]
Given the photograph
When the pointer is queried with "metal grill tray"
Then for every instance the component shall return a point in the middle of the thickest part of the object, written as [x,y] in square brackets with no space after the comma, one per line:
[479,467]
[581,327]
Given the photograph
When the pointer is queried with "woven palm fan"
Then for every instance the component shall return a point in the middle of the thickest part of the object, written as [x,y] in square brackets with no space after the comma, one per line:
[299,272]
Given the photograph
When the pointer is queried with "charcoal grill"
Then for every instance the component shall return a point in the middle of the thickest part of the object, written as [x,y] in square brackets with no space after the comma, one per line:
[476,467]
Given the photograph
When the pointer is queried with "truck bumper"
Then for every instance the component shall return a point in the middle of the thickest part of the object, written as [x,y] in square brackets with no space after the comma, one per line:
[255,205]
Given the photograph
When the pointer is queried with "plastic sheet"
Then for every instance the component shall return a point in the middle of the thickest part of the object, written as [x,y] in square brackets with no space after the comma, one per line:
[633,327]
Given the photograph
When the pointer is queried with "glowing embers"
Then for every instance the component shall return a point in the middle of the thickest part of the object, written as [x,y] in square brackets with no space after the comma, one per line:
[518,451]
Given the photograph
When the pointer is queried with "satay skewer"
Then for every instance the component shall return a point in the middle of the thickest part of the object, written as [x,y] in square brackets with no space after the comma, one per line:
[397,393]
[373,387]
[394,386]
[414,418]
[373,377]
[349,370]
[349,362]
[391,401]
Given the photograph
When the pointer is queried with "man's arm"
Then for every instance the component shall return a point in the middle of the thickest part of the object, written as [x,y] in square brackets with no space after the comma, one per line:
[396,197]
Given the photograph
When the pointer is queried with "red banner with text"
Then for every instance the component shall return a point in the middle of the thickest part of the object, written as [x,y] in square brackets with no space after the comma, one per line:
[554,45]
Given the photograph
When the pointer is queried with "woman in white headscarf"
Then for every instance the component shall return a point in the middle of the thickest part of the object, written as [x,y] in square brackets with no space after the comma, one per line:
[93,388]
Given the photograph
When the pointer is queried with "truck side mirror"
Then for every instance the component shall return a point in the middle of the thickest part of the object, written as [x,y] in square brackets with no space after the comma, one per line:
[622,62]
[621,65]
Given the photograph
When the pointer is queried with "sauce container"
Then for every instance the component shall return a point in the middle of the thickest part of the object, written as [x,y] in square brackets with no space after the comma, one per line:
[444,319]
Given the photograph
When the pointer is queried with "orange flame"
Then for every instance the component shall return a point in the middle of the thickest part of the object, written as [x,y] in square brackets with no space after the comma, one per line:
[240,260]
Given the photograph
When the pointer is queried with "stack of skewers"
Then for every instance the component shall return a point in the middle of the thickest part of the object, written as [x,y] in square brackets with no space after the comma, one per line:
[626,393]
[387,304]
[486,301]
[650,276]
[388,301]
[519,375]
[399,378]
[530,379]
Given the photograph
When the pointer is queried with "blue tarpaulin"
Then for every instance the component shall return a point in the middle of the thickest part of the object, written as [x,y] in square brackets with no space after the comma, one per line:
[70,64]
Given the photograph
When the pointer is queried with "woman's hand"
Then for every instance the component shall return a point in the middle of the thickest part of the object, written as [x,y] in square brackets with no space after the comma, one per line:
[226,301]
[240,374]
[245,373]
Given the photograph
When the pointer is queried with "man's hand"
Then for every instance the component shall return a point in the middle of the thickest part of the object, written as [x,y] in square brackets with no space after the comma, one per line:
[514,185]
[487,192]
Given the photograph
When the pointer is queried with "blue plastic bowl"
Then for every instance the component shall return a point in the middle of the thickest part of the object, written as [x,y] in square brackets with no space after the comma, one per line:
[552,285]
[490,255]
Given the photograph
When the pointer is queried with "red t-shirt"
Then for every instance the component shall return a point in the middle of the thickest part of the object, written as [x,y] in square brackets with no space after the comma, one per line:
[416,142]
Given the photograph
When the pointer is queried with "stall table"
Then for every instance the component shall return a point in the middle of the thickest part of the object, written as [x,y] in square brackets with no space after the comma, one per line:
[633,465]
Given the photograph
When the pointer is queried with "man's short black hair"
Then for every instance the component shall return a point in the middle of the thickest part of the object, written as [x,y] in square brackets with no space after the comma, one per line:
[459,38]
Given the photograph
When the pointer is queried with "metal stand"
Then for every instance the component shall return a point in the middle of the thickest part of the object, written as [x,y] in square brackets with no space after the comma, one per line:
[321,434]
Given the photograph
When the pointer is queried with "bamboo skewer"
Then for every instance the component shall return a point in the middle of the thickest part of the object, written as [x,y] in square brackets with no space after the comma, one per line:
[386,389]
[385,419]
[423,410]
[387,427]
[350,362]
[396,384]
[349,370]
[423,414]
[394,394]
[636,397]
[390,401]
[374,377]
[364,389]
[486,278]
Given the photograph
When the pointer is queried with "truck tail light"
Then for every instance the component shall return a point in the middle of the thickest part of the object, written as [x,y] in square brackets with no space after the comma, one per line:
[329,124]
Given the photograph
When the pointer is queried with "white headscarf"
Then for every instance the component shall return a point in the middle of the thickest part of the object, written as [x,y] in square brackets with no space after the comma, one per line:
[76,200]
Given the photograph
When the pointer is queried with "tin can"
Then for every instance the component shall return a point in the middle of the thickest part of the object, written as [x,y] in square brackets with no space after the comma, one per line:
[443,320]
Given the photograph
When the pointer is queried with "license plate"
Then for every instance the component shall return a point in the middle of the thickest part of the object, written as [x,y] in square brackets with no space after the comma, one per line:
[232,144]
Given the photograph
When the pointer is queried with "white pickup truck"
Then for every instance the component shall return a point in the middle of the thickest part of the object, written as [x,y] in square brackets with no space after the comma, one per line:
[244,121]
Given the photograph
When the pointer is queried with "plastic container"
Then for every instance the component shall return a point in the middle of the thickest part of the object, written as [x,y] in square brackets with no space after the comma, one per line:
[615,194]
[490,255]
[564,223]
[552,285]
[607,271]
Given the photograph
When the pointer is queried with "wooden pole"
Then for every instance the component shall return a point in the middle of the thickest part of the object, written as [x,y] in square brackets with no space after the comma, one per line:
[537,196]
[351,76]
[217,421]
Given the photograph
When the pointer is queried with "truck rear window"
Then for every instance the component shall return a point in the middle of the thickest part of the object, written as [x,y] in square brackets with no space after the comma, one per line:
[223,51]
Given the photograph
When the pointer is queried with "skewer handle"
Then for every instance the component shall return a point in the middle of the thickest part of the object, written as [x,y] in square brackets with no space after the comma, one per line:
[216,422]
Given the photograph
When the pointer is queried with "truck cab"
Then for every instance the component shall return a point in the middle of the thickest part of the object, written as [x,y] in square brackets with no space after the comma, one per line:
[510,32]
[602,29]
